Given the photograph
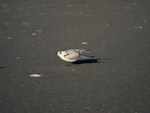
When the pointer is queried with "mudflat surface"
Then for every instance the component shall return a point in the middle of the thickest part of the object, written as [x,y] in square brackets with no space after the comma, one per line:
[117,32]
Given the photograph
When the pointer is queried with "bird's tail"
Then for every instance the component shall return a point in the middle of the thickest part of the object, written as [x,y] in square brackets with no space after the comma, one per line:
[84,51]
[85,57]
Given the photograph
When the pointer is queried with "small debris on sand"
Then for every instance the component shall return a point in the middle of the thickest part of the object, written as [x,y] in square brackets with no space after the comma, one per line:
[84,43]
[35,75]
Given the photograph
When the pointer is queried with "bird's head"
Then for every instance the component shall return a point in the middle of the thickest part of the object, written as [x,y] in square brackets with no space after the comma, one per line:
[60,53]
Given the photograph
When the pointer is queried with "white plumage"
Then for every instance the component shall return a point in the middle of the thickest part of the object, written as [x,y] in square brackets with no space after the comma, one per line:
[72,55]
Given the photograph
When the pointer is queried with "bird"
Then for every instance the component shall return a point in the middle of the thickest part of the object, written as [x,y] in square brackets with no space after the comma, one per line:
[73,55]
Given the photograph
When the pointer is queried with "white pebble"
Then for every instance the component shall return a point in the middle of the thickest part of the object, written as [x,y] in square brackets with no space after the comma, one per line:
[33,34]
[25,23]
[69,5]
[17,58]
[38,31]
[35,75]
[84,42]
[9,37]
[144,20]
[138,27]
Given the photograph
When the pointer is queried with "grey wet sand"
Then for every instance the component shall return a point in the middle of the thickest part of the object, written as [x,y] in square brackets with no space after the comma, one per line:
[32,32]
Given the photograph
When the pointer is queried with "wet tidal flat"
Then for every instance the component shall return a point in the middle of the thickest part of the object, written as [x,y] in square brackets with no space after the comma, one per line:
[34,79]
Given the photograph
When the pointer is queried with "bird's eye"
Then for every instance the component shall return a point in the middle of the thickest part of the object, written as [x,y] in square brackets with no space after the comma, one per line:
[60,52]
[66,54]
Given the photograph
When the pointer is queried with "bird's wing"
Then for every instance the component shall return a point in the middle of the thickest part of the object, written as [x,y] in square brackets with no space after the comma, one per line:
[72,51]
[84,57]
[72,55]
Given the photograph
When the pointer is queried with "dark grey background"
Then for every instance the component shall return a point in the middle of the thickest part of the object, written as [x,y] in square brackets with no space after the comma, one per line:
[117,32]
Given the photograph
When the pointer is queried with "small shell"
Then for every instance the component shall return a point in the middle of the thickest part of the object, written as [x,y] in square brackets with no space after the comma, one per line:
[9,38]
[35,75]
[84,43]
[33,34]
